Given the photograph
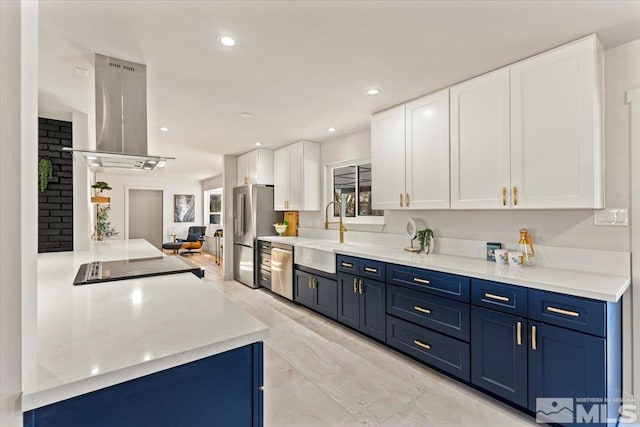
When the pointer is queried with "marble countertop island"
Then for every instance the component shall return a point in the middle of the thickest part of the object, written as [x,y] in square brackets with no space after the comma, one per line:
[98,335]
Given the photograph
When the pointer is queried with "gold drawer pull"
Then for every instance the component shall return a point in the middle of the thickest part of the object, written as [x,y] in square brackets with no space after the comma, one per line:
[421,344]
[419,280]
[347,264]
[496,297]
[504,196]
[360,287]
[515,195]
[519,333]
[565,312]
[355,284]
[422,310]
[407,199]
[371,270]
[265,279]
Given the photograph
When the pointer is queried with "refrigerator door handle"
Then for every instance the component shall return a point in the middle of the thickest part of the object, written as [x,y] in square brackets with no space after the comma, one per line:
[240,218]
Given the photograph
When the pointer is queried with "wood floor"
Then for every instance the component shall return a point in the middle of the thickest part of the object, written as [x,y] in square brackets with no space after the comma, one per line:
[320,373]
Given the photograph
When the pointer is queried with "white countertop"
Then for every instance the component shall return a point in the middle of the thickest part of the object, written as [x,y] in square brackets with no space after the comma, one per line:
[604,287]
[94,336]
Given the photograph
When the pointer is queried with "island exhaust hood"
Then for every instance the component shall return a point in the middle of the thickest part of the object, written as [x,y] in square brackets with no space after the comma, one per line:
[121,117]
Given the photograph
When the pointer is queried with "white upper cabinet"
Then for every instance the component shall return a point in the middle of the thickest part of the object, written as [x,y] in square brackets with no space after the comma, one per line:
[297,177]
[556,128]
[255,167]
[427,152]
[387,158]
[480,143]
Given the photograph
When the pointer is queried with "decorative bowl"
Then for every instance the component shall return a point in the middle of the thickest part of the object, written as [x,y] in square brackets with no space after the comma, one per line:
[280,228]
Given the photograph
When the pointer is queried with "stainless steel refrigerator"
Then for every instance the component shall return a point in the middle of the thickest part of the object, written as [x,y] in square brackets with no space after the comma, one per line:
[253,216]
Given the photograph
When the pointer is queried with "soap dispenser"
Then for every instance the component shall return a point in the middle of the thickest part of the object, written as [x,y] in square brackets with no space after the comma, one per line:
[525,245]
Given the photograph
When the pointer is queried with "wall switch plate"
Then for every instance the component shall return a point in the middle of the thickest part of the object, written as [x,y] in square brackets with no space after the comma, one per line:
[618,217]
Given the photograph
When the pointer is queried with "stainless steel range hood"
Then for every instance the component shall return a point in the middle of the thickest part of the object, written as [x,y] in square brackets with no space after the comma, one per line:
[121,117]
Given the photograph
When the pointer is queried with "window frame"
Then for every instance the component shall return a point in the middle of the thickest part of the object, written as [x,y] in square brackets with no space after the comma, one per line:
[207,205]
[329,192]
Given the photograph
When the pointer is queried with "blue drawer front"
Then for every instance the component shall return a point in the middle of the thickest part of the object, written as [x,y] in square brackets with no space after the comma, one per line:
[371,269]
[499,296]
[440,314]
[347,264]
[441,284]
[435,349]
[264,246]
[579,314]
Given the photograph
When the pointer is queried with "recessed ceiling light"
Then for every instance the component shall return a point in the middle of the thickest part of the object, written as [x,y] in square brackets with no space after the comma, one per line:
[227,41]
[258,143]
[92,157]
[95,165]
[331,129]
[373,91]
[246,115]
[161,164]
[163,129]
[152,162]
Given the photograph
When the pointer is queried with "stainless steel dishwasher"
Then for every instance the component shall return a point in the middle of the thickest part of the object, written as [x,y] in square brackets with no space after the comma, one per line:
[282,270]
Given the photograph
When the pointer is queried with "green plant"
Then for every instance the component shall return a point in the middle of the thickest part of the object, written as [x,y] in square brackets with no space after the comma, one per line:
[45,172]
[103,226]
[101,185]
[424,238]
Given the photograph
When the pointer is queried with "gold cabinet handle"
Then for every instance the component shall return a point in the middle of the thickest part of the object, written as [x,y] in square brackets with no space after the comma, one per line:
[401,200]
[565,312]
[347,264]
[309,282]
[355,284]
[407,199]
[265,279]
[314,282]
[519,333]
[534,344]
[515,195]
[504,196]
[360,283]
[421,344]
[371,270]
[496,297]
[421,310]
[419,280]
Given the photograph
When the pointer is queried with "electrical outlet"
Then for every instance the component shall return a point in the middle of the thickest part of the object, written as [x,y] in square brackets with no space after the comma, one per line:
[617,217]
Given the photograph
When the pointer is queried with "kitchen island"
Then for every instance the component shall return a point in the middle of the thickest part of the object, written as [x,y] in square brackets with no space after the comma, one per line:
[166,350]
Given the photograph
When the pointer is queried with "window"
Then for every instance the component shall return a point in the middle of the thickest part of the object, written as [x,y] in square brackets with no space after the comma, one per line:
[215,206]
[350,185]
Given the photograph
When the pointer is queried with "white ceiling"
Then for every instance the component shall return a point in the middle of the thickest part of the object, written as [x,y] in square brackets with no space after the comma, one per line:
[299,67]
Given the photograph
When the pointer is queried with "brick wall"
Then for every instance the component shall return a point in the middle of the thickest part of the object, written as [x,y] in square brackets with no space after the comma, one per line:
[55,204]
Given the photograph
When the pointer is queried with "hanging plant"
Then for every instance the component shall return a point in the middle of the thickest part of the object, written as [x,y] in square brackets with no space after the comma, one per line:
[425,238]
[45,172]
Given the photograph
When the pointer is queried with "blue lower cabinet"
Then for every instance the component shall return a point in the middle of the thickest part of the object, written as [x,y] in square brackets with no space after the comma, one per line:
[499,354]
[361,305]
[326,296]
[302,291]
[566,364]
[348,301]
[437,350]
[225,389]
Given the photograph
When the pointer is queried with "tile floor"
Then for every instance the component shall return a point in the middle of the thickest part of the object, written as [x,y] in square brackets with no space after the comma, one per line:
[319,373]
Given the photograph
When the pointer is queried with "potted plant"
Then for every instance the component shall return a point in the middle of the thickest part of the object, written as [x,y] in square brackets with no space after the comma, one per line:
[103,226]
[425,238]
[99,195]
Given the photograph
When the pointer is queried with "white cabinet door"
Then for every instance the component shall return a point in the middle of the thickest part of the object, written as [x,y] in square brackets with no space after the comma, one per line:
[296,176]
[388,158]
[480,140]
[556,140]
[252,167]
[264,167]
[243,169]
[281,178]
[427,152]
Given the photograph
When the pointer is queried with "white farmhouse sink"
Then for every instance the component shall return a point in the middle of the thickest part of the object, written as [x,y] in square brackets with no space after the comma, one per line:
[318,255]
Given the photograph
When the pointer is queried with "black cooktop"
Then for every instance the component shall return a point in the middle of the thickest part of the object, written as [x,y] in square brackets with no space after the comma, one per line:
[108,271]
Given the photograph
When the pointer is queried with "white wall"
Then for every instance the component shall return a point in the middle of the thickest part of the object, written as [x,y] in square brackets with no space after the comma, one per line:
[229,180]
[565,228]
[212,183]
[171,186]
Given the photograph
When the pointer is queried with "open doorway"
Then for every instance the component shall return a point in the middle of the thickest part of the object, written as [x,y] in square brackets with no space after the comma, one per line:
[144,215]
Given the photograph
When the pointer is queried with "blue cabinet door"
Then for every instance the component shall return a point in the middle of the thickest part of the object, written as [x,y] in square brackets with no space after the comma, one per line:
[303,292]
[565,364]
[326,296]
[372,308]
[499,354]
[348,301]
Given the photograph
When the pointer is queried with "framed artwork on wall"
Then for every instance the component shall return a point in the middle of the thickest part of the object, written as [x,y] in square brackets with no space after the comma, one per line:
[184,208]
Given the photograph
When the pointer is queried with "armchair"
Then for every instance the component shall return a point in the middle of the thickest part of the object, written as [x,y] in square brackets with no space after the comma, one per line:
[193,242]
